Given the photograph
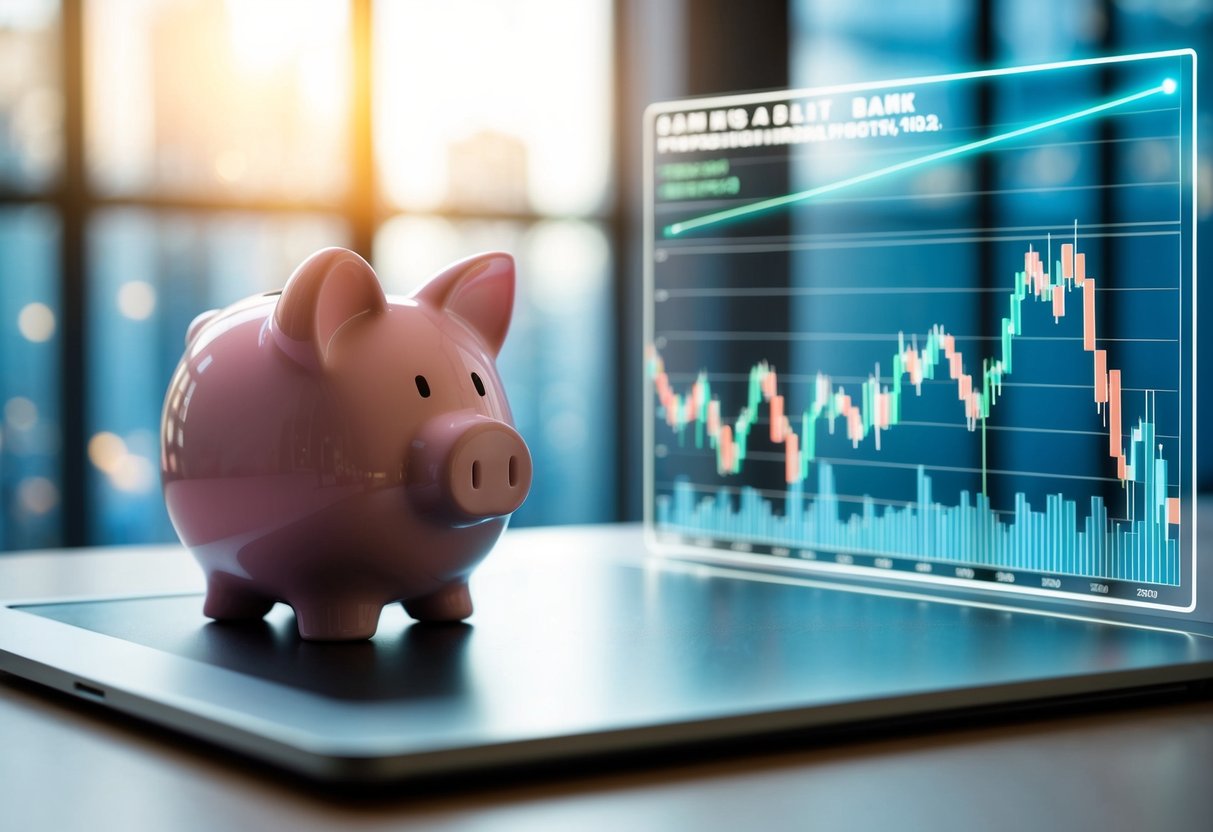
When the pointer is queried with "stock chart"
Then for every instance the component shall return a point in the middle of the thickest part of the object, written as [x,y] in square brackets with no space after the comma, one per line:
[937,330]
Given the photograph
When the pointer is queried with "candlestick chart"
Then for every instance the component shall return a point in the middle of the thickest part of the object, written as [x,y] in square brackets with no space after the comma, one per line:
[936,331]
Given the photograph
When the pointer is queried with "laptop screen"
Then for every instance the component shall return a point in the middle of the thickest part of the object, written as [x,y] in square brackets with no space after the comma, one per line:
[935,330]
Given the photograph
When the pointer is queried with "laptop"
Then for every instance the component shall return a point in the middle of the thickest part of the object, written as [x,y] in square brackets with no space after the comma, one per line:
[920,438]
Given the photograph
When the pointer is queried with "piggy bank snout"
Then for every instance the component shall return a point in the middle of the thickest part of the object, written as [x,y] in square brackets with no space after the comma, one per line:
[471,471]
[489,473]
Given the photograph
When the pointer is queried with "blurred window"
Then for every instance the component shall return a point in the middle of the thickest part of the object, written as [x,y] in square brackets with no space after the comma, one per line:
[162,157]
[210,98]
[511,116]
[30,448]
[31,101]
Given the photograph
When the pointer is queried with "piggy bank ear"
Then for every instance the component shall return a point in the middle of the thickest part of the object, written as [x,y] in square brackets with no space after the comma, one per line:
[479,291]
[328,290]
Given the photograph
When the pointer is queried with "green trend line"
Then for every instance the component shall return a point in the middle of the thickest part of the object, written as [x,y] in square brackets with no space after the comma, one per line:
[1166,87]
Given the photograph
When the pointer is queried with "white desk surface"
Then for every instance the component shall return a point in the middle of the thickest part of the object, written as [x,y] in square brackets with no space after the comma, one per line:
[67,764]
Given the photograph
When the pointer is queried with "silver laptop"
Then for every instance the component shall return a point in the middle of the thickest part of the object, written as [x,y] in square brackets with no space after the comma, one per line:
[920,439]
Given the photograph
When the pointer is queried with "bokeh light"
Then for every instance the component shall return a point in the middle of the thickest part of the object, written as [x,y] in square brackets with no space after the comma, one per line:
[20,413]
[36,322]
[137,300]
[37,495]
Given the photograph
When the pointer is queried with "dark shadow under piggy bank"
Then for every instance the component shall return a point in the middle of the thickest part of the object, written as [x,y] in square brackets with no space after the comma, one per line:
[338,450]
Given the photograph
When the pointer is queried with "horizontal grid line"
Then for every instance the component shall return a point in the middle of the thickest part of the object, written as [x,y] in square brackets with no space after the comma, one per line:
[803,378]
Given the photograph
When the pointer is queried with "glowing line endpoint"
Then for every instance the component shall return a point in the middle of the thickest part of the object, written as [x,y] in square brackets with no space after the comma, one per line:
[1169,86]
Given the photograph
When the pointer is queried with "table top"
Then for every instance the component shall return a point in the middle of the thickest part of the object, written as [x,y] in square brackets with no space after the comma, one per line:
[1131,765]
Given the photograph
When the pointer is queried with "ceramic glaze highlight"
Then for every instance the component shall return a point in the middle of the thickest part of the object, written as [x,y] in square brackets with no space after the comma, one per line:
[339,450]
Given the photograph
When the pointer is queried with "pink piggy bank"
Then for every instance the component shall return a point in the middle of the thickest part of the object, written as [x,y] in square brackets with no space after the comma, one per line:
[337,450]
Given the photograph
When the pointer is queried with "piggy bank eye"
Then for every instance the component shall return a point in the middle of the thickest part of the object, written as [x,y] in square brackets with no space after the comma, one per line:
[479,384]
[423,387]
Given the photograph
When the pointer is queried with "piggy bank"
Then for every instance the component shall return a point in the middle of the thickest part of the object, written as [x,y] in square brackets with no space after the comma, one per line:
[338,450]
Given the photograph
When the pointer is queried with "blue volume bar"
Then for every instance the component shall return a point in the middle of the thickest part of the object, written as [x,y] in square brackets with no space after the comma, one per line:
[971,533]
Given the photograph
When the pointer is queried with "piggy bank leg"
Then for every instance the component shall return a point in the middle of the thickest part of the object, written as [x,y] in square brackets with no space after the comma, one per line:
[341,621]
[451,603]
[228,599]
